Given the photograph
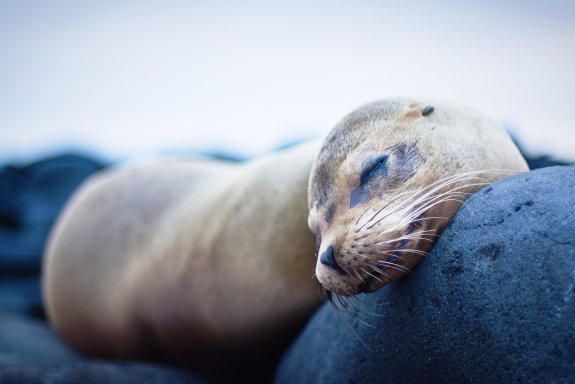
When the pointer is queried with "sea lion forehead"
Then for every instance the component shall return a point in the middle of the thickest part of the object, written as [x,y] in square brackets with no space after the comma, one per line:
[352,132]
[359,125]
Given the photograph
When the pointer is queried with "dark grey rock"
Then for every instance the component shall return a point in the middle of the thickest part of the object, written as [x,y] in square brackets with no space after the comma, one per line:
[21,295]
[494,302]
[30,352]
[26,340]
[31,196]
[535,161]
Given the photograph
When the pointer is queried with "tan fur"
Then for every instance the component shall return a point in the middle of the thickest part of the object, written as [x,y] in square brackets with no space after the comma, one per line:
[451,140]
[190,261]
[203,262]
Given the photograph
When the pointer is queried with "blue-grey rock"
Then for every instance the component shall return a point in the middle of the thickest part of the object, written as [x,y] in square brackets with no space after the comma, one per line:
[21,295]
[31,196]
[30,352]
[494,302]
[535,161]
[543,162]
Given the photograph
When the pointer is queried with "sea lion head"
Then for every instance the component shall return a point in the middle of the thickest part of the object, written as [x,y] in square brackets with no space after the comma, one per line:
[387,180]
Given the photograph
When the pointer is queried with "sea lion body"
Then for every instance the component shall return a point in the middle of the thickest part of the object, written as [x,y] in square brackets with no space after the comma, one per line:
[388,179]
[203,263]
[187,261]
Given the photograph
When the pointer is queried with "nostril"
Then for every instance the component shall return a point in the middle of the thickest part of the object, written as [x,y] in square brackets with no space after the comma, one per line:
[327,258]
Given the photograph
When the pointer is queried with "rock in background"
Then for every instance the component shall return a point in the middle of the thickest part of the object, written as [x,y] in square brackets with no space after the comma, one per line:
[30,198]
[494,302]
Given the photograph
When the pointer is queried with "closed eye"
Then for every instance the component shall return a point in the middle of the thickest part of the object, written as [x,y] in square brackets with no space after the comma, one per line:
[377,167]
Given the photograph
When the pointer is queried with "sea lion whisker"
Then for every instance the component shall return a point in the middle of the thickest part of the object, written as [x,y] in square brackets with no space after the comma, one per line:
[375,277]
[367,275]
[352,271]
[323,292]
[335,302]
[345,314]
[381,272]
[362,237]
[454,191]
[393,254]
[426,208]
[381,209]
[361,278]
[433,203]
[392,265]
[379,253]
[452,180]
[389,253]
[438,196]
[354,310]
[364,212]
[399,211]
[457,177]
[412,250]
[350,315]
[395,240]
[347,270]
[419,234]
[408,236]
[339,299]
[381,219]
[411,236]
[427,218]
[360,309]
[430,189]
[375,269]
[466,186]
[398,208]
[414,213]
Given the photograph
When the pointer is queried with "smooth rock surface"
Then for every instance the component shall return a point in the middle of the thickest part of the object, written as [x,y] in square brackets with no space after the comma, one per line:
[30,352]
[494,302]
[31,196]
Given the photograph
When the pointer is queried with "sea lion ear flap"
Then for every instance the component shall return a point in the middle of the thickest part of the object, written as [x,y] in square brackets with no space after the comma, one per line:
[416,110]
[427,110]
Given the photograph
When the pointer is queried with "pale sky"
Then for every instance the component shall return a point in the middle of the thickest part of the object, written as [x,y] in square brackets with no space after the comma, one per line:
[131,78]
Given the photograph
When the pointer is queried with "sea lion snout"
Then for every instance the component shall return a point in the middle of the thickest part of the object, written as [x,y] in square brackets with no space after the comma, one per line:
[327,258]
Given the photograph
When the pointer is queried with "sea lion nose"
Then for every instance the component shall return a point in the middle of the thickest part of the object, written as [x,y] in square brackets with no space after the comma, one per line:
[327,258]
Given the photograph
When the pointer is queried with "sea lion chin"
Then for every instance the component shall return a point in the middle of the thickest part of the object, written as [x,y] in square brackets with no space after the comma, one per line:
[387,180]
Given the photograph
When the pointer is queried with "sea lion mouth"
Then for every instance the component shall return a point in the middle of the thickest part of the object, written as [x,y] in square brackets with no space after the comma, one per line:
[366,262]
[335,281]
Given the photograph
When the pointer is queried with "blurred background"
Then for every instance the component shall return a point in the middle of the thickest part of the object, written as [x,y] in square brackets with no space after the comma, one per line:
[119,79]
[87,83]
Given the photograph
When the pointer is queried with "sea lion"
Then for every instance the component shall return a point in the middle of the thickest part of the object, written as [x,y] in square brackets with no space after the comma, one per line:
[202,263]
[209,264]
[387,180]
